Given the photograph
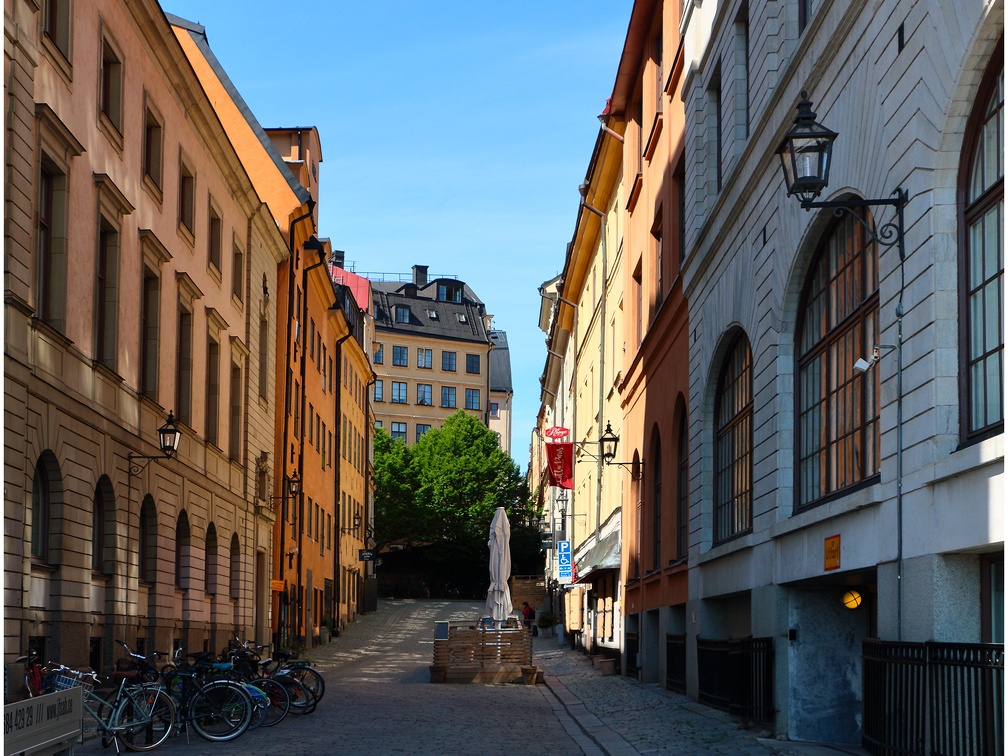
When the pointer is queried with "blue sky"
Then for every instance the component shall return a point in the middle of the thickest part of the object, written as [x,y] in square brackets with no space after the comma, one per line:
[454,135]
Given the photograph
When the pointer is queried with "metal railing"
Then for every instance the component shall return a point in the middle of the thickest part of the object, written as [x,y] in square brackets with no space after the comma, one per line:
[933,698]
[737,676]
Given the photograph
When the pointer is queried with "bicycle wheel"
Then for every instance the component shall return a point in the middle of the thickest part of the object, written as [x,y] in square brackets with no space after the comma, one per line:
[145,718]
[278,697]
[260,705]
[302,701]
[222,710]
[310,678]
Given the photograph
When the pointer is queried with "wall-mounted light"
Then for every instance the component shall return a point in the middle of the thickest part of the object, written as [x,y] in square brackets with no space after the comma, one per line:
[169,436]
[608,442]
[852,599]
[806,155]
[291,553]
[355,529]
[293,487]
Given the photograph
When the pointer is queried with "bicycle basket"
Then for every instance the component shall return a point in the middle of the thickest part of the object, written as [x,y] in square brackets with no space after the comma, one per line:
[61,681]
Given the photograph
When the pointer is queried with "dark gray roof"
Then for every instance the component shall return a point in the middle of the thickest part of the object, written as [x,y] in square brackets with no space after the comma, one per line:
[500,363]
[198,33]
[428,317]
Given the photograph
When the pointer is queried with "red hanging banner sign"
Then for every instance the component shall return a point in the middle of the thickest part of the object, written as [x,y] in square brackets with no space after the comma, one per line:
[560,463]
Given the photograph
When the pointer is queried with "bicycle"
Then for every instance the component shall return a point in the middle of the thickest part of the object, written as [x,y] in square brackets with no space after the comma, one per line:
[34,674]
[141,717]
[218,709]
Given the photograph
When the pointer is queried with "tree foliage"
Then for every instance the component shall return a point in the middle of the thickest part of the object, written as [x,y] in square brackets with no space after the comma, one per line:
[446,487]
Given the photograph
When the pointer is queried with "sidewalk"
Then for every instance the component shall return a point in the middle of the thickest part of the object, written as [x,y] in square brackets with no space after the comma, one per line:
[623,716]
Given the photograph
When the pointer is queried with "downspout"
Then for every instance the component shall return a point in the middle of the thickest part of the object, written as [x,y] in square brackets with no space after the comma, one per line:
[369,543]
[486,406]
[284,489]
[304,421]
[337,459]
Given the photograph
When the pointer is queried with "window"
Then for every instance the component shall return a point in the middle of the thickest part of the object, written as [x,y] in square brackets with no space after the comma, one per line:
[402,314]
[235,413]
[184,366]
[187,197]
[379,390]
[311,339]
[494,409]
[51,228]
[311,423]
[716,139]
[399,431]
[214,238]
[212,389]
[103,528]
[659,71]
[448,361]
[473,363]
[449,292]
[235,568]
[153,147]
[147,546]
[656,505]
[981,289]
[111,82]
[837,436]
[210,561]
[378,424]
[424,394]
[733,444]
[425,358]
[41,511]
[421,428]
[658,252]
[56,24]
[472,399]
[448,396]
[399,356]
[238,274]
[106,293]
[638,287]
[264,345]
[182,551]
[398,392]
[378,354]
[150,297]
[804,14]
[742,70]
[682,489]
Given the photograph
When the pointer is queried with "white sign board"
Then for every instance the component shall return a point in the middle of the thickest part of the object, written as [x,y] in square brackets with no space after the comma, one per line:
[43,721]
[565,562]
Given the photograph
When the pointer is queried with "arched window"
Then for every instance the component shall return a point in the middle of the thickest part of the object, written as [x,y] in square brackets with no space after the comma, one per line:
[981,279]
[210,561]
[656,502]
[148,541]
[733,443]
[182,551]
[41,508]
[235,570]
[837,436]
[103,528]
[682,488]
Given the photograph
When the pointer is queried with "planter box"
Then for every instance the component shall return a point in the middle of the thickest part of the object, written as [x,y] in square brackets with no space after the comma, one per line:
[607,666]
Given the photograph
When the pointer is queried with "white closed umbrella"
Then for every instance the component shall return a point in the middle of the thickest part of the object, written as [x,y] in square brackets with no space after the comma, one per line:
[498,604]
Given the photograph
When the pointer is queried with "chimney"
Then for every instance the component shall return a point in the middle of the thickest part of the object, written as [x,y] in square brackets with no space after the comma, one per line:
[338,258]
[420,275]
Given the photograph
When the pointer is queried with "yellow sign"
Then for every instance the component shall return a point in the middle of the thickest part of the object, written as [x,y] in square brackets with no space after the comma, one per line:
[277,586]
[831,553]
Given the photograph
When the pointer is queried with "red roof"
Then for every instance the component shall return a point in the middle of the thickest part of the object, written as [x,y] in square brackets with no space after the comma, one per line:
[359,287]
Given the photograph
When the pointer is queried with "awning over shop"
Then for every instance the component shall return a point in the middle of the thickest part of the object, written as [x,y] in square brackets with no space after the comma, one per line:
[604,555]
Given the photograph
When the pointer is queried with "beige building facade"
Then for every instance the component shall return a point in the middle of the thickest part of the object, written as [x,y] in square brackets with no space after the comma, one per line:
[134,248]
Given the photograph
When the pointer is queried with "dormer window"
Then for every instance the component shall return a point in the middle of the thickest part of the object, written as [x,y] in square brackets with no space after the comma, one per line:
[449,292]
[432,314]
[402,314]
[461,317]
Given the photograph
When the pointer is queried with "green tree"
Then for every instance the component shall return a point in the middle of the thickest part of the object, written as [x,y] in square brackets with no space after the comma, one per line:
[396,519]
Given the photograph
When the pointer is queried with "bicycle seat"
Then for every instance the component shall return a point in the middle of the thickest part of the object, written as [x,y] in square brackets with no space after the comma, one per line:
[222,666]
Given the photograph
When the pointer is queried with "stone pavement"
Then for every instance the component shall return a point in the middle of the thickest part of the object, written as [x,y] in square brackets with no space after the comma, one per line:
[379,700]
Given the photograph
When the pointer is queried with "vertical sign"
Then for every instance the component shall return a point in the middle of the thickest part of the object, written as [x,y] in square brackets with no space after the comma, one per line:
[831,553]
[564,563]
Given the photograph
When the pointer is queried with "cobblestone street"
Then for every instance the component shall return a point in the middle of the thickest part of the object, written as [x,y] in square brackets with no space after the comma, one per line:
[379,700]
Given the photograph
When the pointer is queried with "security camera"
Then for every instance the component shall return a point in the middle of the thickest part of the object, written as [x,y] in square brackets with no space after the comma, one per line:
[862,365]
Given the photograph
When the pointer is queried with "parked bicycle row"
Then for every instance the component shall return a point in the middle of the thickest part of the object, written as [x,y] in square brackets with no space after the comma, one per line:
[146,701]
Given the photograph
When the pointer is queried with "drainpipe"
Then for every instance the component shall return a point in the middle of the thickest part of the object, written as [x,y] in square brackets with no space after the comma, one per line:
[284,491]
[338,482]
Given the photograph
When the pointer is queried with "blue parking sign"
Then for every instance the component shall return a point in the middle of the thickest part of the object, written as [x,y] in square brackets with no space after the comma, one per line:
[564,562]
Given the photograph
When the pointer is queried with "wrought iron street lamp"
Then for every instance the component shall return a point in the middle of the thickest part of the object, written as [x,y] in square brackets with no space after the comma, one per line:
[806,155]
[356,525]
[169,436]
[608,442]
